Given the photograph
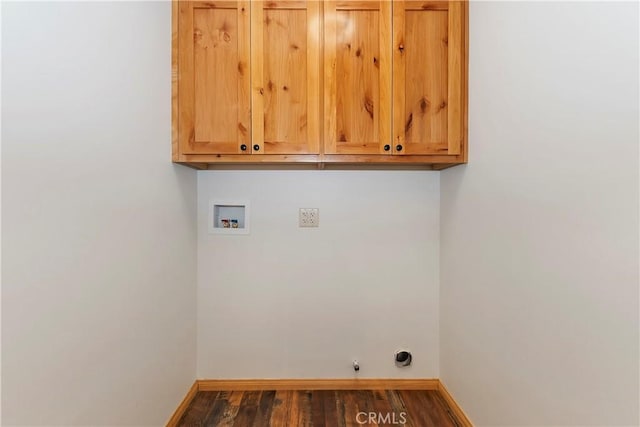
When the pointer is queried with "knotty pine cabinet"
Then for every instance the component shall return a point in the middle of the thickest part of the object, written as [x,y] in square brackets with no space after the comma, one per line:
[320,82]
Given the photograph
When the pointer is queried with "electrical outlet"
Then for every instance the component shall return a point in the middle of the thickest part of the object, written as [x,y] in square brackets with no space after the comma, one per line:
[309,217]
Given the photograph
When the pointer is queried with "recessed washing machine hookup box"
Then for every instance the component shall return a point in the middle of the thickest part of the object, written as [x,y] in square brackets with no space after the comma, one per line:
[228,217]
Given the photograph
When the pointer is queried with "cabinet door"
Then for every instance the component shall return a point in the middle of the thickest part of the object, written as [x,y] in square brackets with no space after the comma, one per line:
[357,77]
[428,76]
[213,77]
[285,68]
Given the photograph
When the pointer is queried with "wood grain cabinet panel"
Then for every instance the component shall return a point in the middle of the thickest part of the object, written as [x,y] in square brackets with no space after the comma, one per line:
[213,77]
[326,82]
[285,62]
[428,75]
[357,77]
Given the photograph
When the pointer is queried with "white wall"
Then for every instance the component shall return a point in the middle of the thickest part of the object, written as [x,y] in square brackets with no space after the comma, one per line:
[289,302]
[98,284]
[539,255]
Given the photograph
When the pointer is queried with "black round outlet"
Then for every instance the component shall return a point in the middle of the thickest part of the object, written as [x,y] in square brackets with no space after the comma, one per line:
[403,358]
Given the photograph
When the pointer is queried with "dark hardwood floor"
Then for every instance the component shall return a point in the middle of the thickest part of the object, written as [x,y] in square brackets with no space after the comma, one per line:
[319,408]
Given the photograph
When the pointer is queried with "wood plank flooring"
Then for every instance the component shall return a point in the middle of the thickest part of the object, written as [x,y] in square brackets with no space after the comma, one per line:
[411,408]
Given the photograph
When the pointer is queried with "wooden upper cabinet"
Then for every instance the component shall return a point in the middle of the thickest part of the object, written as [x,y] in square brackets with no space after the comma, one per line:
[285,68]
[357,77]
[429,77]
[394,76]
[213,77]
[332,81]
[249,77]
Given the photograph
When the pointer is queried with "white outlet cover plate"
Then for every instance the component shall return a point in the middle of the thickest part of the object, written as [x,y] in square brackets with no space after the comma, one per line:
[309,217]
